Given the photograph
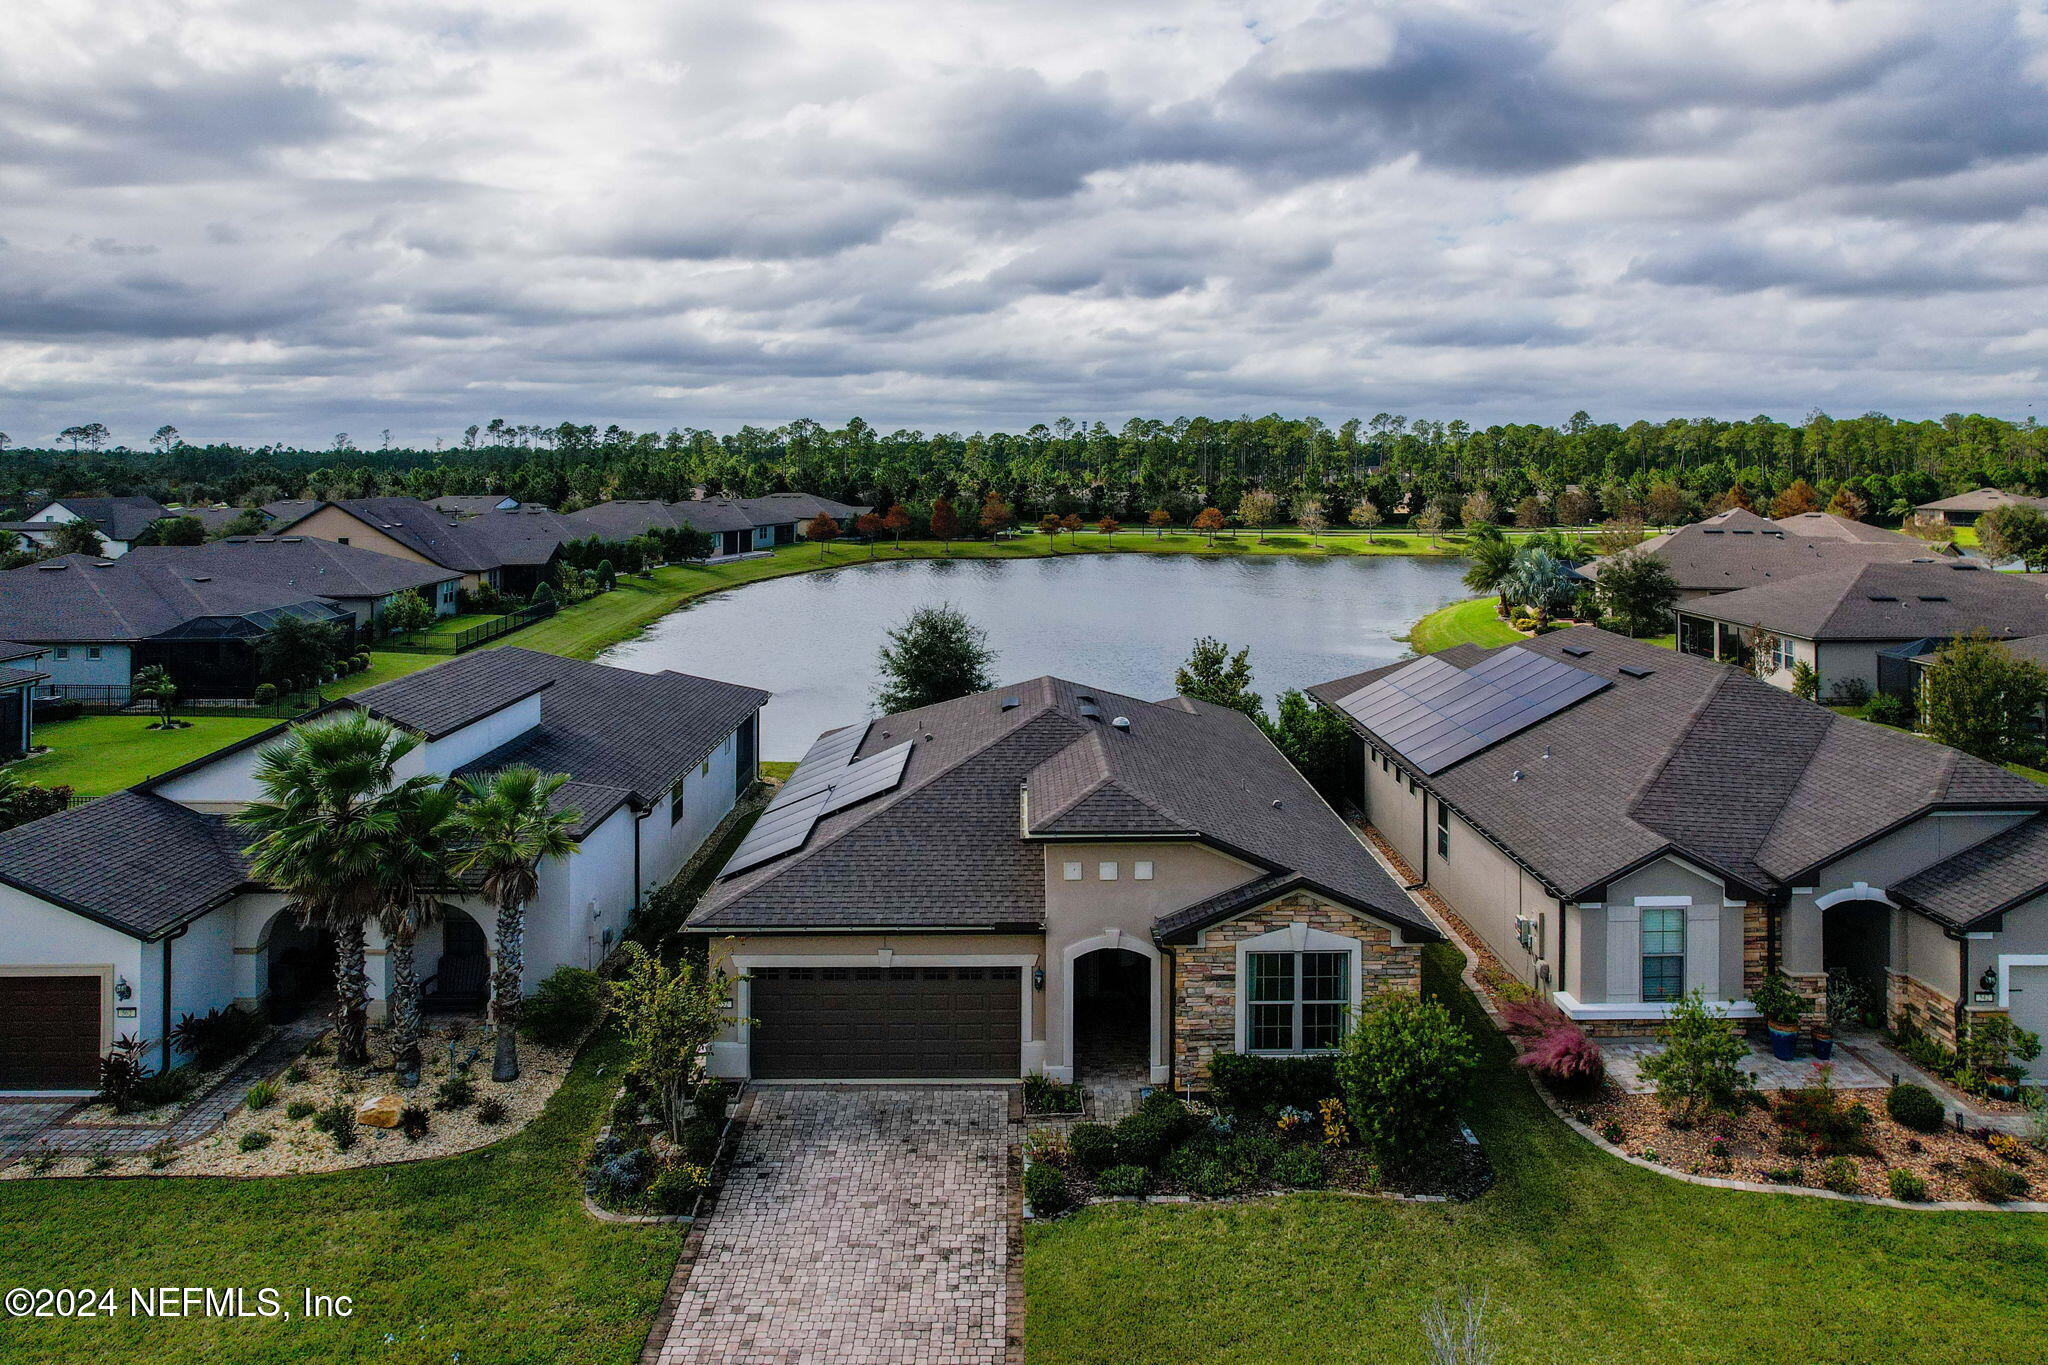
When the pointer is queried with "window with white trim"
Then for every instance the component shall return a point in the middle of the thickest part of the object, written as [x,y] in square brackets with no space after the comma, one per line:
[1663,953]
[1298,1001]
[1141,870]
[1781,654]
[1443,830]
[1072,872]
[1105,872]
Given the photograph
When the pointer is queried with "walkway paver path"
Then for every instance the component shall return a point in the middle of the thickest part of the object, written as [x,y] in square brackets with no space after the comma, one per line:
[858,1226]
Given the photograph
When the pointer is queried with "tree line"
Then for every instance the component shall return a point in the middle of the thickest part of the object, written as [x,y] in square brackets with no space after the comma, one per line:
[1576,473]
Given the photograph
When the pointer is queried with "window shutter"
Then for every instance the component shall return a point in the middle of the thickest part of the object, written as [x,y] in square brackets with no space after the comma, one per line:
[1624,954]
[1703,950]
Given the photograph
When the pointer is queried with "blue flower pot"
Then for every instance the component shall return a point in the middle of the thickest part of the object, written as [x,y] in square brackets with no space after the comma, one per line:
[1784,1042]
[1823,1048]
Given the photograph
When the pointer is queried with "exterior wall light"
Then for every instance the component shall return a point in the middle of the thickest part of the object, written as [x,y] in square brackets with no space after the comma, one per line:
[122,990]
[1038,978]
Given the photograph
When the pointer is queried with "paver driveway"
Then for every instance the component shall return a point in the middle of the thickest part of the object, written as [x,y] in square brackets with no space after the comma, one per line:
[857,1225]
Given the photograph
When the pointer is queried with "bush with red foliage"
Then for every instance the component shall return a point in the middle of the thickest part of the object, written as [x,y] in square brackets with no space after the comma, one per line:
[1565,1058]
[1533,1015]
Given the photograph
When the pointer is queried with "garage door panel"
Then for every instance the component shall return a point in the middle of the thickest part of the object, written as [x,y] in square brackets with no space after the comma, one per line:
[49,1032]
[841,1023]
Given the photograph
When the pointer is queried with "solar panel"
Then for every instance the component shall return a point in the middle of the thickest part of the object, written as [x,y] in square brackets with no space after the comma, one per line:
[827,780]
[777,832]
[870,777]
[1434,714]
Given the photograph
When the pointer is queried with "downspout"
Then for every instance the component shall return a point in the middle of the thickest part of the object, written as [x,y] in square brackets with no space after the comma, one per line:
[1172,1017]
[169,939]
[1563,938]
[1962,1009]
[1425,837]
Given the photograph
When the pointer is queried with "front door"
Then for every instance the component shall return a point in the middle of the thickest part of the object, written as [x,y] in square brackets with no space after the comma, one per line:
[1856,947]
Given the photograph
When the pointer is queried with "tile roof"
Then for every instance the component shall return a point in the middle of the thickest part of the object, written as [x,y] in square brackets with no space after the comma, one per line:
[1890,602]
[83,598]
[944,849]
[140,863]
[1738,549]
[302,563]
[1696,759]
[1982,880]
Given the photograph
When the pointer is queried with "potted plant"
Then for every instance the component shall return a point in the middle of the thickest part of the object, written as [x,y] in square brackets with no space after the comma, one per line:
[1781,1007]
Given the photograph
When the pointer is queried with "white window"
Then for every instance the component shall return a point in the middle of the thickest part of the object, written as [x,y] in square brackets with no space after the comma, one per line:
[1781,655]
[92,651]
[1141,871]
[63,653]
[1072,872]
[1105,872]
[1663,939]
[1298,1001]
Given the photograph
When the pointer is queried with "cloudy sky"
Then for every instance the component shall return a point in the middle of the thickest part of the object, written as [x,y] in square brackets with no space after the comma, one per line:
[277,220]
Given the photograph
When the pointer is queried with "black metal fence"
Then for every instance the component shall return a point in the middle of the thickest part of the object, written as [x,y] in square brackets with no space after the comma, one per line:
[464,640]
[87,699]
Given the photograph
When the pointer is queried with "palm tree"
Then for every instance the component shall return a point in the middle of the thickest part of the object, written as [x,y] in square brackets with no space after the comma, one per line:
[323,835]
[411,882]
[1492,559]
[509,822]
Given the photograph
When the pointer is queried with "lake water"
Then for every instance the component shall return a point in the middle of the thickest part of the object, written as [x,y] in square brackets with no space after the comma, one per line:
[1121,622]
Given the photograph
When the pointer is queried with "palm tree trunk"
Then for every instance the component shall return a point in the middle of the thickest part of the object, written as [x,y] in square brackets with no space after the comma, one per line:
[405,1010]
[352,995]
[505,984]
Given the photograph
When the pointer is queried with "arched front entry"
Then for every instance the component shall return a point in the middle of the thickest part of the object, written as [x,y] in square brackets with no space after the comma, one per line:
[299,967]
[1856,949]
[459,975]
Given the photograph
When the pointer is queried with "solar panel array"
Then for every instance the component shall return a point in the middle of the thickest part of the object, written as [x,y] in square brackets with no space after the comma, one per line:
[828,779]
[1434,714]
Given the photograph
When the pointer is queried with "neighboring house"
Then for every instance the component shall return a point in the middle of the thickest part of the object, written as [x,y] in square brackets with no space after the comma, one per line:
[1843,624]
[1737,549]
[20,671]
[736,525]
[1964,508]
[363,581]
[1620,824]
[1828,526]
[473,505]
[214,519]
[796,511]
[99,620]
[118,520]
[510,552]
[285,511]
[120,916]
[1049,879]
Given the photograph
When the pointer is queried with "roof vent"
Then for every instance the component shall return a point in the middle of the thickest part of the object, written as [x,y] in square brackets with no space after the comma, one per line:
[1091,713]
[1925,598]
[1009,704]
[1276,803]
[293,540]
[266,540]
[1546,751]
[1122,722]
[1083,697]
[202,578]
[1882,597]
[1577,651]
[1715,531]
[1634,672]
[1518,776]
[1961,568]
[53,568]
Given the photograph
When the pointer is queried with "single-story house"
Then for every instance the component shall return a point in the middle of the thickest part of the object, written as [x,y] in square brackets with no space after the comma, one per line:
[796,511]
[510,551]
[473,504]
[737,525]
[1736,549]
[1048,879]
[1619,824]
[1964,508]
[1828,526]
[117,520]
[1842,623]
[99,620]
[120,916]
[285,511]
[361,580]
[20,671]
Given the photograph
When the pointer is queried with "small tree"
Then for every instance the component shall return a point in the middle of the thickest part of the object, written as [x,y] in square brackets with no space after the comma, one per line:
[1799,497]
[250,521]
[1316,741]
[1619,535]
[897,521]
[406,613]
[1736,497]
[1159,519]
[1309,515]
[1109,526]
[937,654]
[1071,524]
[1213,674]
[1478,509]
[2014,531]
[173,531]
[1491,560]
[21,802]
[1574,508]
[1049,527]
[1209,521]
[1849,503]
[297,647]
[75,538]
[1258,508]
[1430,521]
[945,521]
[155,685]
[1665,504]
[1637,589]
[669,1015]
[1697,1071]
[1405,1068]
[1365,515]
[821,531]
[1540,583]
[870,527]
[996,516]
[1980,697]
[1805,682]
[692,545]
[1529,513]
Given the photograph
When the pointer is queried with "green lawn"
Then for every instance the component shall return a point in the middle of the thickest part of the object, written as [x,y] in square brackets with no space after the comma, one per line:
[387,664]
[1476,622]
[1589,1260]
[95,755]
[487,1257]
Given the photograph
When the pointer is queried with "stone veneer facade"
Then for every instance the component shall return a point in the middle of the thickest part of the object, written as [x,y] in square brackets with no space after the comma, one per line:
[1205,975]
[1935,1012]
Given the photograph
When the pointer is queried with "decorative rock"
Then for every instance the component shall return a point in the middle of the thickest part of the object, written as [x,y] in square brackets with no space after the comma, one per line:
[380,1112]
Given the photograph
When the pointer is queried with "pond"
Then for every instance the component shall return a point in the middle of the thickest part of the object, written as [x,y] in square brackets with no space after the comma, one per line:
[1120,622]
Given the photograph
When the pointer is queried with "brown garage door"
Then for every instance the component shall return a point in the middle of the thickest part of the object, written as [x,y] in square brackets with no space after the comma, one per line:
[49,1032]
[875,1023]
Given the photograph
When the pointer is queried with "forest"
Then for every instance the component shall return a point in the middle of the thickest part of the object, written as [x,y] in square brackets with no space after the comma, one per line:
[1579,471]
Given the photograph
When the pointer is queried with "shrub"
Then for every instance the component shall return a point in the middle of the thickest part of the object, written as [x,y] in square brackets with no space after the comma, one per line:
[1046,1144]
[162,1154]
[1992,1043]
[457,1092]
[121,1073]
[1405,1067]
[266,693]
[1125,1180]
[1776,1000]
[298,1109]
[1266,1085]
[620,1177]
[490,1110]
[1697,1070]
[1889,709]
[101,1159]
[1044,1095]
[1993,1184]
[2007,1148]
[414,1121]
[1906,1185]
[1852,692]
[338,1121]
[217,1035]
[1612,1131]
[677,1188]
[1564,1058]
[1301,1168]
[1250,1154]
[1530,1016]
[294,1074]
[254,1141]
[562,1007]
[1144,1137]
[1794,1144]
[261,1095]
[711,1097]
[1045,1189]
[1215,1180]
[1840,1175]
[1817,1111]
[700,1140]
[1093,1146]
[166,1087]
[1914,1106]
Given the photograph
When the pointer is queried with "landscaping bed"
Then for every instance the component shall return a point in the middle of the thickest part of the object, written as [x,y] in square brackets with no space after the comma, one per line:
[217,1043]
[641,1166]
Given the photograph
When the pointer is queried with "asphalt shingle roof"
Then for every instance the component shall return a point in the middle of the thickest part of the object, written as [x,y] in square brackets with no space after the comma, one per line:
[82,598]
[1982,500]
[301,563]
[1828,526]
[944,848]
[1697,759]
[117,518]
[1738,549]
[524,536]
[1890,602]
[1982,880]
[140,863]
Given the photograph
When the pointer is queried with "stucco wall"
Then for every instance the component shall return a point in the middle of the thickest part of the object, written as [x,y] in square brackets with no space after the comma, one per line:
[1489,890]
[227,783]
[331,523]
[1392,809]
[40,939]
[472,742]
[707,798]
[73,666]
[1713,934]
